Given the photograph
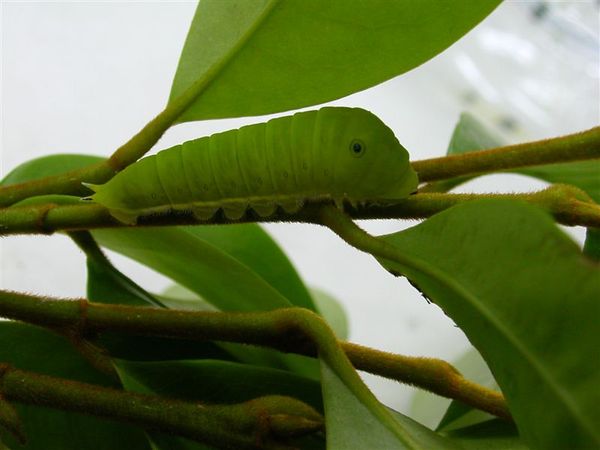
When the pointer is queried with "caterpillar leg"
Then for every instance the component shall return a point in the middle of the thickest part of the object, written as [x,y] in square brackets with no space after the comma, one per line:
[264,209]
[235,211]
[291,206]
[204,213]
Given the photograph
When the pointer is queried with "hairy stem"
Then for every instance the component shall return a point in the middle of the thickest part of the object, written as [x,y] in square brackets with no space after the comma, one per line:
[223,426]
[568,205]
[573,147]
[291,330]
[431,374]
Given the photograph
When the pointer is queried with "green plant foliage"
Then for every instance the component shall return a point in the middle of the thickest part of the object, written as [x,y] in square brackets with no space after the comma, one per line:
[48,165]
[514,283]
[592,244]
[196,264]
[215,275]
[212,381]
[491,435]
[470,135]
[333,312]
[38,350]
[352,425]
[250,245]
[105,284]
[267,56]
[216,381]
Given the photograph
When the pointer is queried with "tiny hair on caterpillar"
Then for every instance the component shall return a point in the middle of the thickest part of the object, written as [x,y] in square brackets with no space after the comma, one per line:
[333,153]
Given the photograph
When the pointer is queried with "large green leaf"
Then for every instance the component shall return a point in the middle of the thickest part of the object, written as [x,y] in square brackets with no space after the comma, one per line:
[264,56]
[32,348]
[196,264]
[253,247]
[528,300]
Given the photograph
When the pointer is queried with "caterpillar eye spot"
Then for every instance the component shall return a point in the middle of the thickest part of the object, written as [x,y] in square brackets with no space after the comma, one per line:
[357,148]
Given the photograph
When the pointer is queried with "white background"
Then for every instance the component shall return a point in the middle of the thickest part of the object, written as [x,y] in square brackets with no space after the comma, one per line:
[83,77]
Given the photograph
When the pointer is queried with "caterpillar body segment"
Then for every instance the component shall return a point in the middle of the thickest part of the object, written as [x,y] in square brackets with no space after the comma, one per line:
[342,154]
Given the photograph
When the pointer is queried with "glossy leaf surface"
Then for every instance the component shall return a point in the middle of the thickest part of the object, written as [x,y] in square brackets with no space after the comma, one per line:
[264,56]
[528,300]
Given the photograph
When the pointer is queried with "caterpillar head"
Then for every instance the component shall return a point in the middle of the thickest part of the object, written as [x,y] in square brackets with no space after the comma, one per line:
[373,163]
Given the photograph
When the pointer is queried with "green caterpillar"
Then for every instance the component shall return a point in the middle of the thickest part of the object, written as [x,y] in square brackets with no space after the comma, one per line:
[340,154]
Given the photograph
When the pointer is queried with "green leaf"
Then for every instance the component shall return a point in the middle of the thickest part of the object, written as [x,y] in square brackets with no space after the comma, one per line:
[491,435]
[47,166]
[263,56]
[105,284]
[32,348]
[352,425]
[333,312]
[165,442]
[196,264]
[252,246]
[583,174]
[212,382]
[215,381]
[528,301]
[592,243]
[57,199]
[214,275]
[177,297]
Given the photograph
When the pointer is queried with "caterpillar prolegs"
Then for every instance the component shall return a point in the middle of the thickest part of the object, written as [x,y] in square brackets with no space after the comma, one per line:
[341,154]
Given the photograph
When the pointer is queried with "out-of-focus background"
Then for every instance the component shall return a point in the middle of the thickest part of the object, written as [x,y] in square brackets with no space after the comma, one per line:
[84,77]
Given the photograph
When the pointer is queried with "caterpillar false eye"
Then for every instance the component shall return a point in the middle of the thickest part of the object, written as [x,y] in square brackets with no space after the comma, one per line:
[281,163]
[358,148]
